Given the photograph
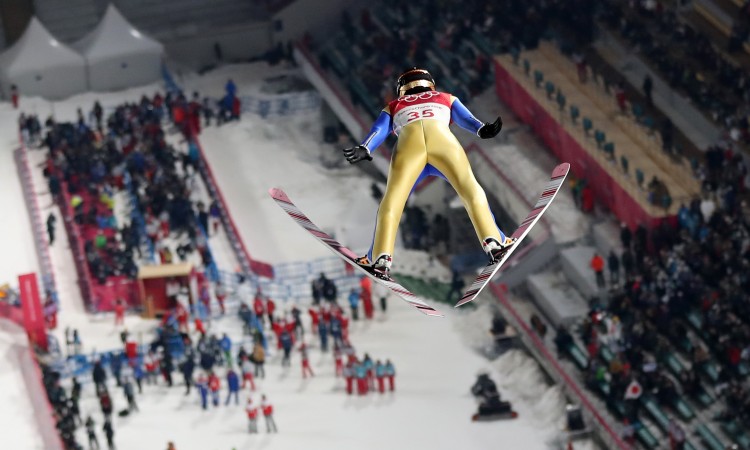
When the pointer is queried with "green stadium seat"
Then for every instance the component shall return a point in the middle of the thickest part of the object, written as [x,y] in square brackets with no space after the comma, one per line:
[637,110]
[708,438]
[639,177]
[560,99]
[683,409]
[549,87]
[646,437]
[606,354]
[624,163]
[538,78]
[578,356]
[609,149]
[574,113]
[600,137]
[587,125]
[656,413]
[526,67]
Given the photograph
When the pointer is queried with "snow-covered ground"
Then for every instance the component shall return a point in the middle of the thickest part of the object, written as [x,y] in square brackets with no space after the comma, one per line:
[435,363]
[18,425]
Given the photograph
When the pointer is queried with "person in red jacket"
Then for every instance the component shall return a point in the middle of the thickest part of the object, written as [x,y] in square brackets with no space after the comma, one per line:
[597,265]
[199,327]
[365,294]
[252,415]
[270,308]
[305,362]
[339,360]
[268,415]
[259,307]
[214,384]
[14,96]
[182,319]
[314,317]
[119,312]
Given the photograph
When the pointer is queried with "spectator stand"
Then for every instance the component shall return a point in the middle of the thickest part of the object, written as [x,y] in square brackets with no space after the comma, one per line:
[573,390]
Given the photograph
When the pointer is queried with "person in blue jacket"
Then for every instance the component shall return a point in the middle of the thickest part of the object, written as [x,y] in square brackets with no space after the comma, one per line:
[354,303]
[226,348]
[202,385]
[233,383]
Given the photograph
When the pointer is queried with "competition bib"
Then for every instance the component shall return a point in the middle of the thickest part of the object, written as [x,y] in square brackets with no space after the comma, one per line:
[429,105]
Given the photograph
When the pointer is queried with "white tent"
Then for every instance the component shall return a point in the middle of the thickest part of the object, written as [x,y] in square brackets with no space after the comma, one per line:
[40,65]
[119,56]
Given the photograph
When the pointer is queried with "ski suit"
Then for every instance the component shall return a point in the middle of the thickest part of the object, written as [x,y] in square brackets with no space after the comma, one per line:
[426,147]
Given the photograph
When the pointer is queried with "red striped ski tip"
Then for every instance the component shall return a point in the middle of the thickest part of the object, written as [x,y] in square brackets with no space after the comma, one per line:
[279,194]
[561,170]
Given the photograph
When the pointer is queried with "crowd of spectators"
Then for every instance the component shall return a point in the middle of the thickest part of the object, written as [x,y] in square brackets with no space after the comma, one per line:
[692,277]
[687,60]
[92,164]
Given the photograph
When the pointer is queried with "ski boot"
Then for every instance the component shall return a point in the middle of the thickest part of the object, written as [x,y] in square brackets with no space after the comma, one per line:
[381,268]
[495,250]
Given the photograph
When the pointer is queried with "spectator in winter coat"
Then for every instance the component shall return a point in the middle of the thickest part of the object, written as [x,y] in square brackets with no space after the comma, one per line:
[167,366]
[370,368]
[152,367]
[127,387]
[390,372]
[380,376]
[207,361]
[267,408]
[305,362]
[202,385]
[91,432]
[338,360]
[259,307]
[597,265]
[214,385]
[252,415]
[247,373]
[259,359]
[99,375]
[323,333]
[105,402]
[187,367]
[298,328]
[226,348]
[233,383]
[613,262]
[361,374]
[286,344]
[349,373]
[51,220]
[109,432]
[354,303]
[336,331]
[329,291]
[270,308]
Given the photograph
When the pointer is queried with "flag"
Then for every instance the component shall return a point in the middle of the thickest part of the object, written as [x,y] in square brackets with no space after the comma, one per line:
[633,391]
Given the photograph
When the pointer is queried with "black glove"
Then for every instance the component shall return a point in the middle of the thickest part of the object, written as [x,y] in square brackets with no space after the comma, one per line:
[490,130]
[357,154]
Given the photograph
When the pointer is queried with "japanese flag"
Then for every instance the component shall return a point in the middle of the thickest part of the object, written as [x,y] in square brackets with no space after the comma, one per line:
[633,391]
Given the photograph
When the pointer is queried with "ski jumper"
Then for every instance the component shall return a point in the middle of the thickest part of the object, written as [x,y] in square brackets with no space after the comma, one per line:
[426,147]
